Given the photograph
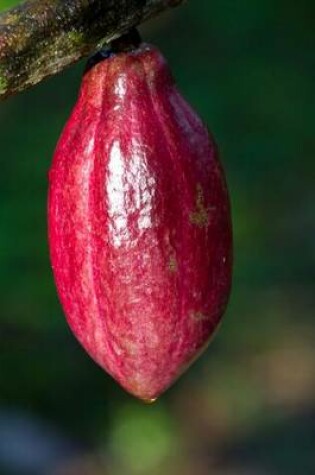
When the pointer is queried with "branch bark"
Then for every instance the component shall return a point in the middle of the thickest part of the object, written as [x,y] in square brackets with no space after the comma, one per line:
[40,38]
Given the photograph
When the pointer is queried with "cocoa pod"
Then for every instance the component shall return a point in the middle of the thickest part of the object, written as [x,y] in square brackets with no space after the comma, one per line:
[139,223]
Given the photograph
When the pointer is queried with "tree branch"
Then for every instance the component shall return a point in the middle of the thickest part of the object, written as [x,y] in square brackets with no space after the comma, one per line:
[40,38]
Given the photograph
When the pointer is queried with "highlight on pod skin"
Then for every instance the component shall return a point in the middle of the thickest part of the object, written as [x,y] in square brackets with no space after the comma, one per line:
[139,221]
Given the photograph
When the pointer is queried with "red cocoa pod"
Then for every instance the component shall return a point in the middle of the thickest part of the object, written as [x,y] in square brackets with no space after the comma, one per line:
[139,223]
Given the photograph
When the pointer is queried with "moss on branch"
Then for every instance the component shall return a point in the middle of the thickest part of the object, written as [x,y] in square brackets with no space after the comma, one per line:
[40,38]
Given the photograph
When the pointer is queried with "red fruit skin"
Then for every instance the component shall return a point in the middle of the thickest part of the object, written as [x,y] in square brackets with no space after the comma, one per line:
[139,224]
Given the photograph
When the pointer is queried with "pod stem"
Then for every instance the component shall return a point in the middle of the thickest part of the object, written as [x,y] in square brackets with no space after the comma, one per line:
[127,42]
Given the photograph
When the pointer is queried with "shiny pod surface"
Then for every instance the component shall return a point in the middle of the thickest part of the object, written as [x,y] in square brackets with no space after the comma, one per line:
[139,223]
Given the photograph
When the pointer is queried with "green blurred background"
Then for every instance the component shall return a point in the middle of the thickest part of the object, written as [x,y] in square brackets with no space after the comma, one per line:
[247,407]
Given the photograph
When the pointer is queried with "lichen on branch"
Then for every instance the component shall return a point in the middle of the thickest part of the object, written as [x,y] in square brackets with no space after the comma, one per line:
[39,38]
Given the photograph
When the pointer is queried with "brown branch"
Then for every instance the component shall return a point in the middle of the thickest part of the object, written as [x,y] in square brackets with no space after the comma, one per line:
[40,38]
